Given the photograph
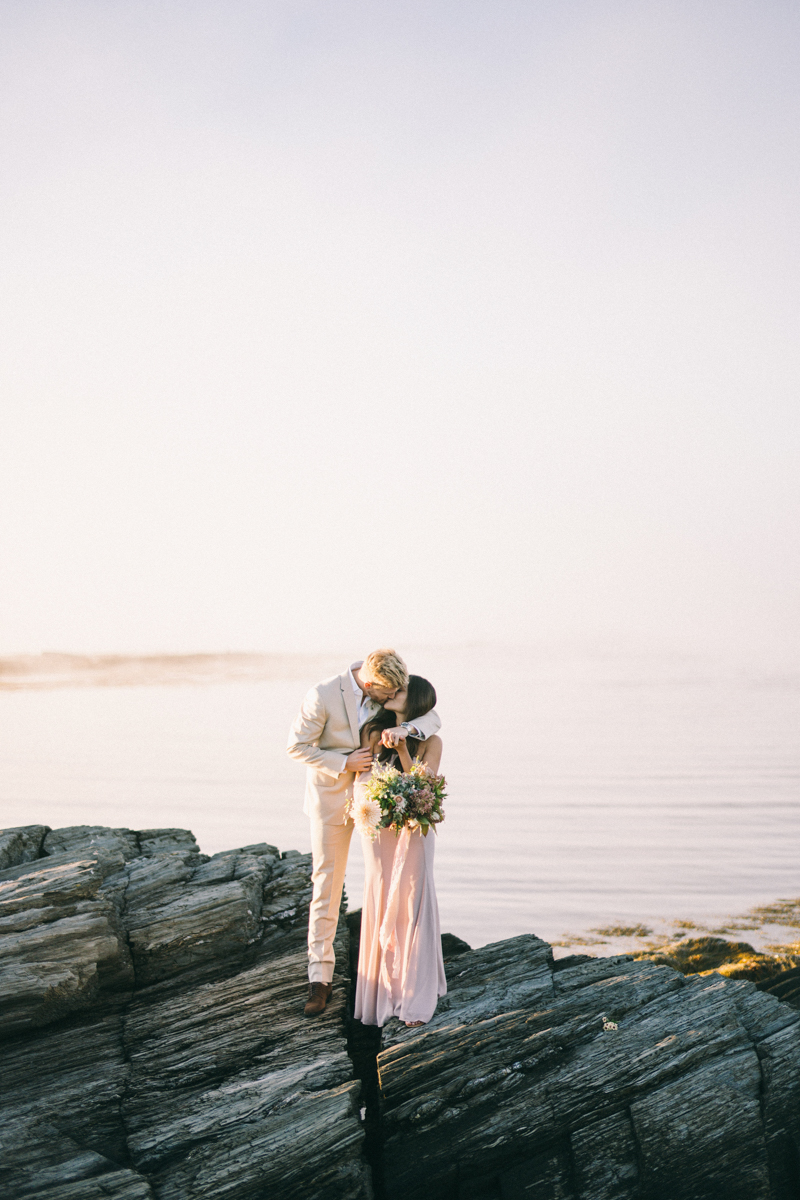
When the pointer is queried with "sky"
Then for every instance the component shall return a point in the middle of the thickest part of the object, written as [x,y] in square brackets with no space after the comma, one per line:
[327,324]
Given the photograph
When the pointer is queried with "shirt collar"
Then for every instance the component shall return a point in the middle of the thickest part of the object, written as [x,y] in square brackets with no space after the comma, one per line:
[356,689]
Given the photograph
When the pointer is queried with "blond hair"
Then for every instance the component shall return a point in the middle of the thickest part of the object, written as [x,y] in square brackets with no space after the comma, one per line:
[386,668]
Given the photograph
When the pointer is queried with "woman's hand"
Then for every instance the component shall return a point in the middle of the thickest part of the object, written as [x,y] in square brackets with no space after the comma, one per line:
[394,736]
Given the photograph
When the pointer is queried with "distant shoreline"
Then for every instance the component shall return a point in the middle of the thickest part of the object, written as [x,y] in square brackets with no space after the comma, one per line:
[20,672]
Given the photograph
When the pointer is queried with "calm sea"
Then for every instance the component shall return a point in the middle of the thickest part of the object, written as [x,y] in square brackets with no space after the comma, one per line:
[585,791]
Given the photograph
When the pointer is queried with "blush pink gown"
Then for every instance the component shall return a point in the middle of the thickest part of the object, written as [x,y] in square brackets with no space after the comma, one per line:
[400,967]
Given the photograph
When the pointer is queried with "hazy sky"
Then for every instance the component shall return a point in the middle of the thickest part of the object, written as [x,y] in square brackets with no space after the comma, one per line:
[330,323]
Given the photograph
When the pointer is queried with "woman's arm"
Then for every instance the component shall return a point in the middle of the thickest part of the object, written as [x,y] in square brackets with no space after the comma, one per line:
[404,756]
[432,753]
[429,753]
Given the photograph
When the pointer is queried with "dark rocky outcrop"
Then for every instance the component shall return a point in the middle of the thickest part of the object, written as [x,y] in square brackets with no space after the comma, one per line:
[592,1079]
[154,1047]
[151,1011]
[21,845]
[785,985]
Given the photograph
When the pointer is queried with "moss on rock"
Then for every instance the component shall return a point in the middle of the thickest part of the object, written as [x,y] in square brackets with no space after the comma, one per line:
[735,960]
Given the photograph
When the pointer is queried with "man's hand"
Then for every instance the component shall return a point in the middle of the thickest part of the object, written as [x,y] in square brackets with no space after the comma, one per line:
[359,760]
[393,737]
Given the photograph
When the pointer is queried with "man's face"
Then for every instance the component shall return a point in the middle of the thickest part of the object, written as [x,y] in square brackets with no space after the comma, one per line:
[380,693]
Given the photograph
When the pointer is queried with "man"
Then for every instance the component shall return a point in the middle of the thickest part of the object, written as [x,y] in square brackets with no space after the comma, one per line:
[326,736]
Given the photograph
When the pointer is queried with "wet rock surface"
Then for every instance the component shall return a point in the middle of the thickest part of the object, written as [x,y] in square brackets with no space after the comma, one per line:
[151,1015]
[591,1079]
[154,1047]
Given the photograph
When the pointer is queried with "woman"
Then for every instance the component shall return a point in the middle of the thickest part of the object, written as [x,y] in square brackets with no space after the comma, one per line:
[400,968]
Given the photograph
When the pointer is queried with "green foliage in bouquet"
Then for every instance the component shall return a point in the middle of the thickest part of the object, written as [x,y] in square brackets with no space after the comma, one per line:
[393,799]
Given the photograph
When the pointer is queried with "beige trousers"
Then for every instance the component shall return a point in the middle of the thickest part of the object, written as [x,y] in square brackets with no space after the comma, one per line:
[329,848]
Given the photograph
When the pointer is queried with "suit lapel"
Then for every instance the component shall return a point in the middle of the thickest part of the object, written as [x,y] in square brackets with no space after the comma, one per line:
[352,708]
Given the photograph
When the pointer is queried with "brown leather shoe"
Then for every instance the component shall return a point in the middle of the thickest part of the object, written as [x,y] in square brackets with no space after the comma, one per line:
[318,996]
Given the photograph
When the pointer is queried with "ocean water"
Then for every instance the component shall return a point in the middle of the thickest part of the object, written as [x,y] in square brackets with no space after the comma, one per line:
[585,791]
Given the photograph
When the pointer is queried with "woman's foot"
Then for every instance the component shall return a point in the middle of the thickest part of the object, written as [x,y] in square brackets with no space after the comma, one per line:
[413,1024]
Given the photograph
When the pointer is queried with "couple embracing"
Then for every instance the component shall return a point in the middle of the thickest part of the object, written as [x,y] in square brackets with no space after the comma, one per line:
[371,722]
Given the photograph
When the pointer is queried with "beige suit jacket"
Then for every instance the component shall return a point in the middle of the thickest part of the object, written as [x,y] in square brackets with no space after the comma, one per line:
[324,732]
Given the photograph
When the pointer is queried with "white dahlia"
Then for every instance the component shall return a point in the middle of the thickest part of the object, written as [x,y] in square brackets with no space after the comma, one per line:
[367,814]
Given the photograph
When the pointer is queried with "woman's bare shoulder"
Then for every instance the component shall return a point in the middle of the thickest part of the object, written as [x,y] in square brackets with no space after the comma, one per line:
[433,742]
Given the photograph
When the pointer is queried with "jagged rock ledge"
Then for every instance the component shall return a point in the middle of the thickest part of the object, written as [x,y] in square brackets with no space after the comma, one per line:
[151,1008]
[154,1047]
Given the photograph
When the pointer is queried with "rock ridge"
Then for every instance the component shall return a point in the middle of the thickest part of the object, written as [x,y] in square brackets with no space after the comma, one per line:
[154,1049]
[591,1079]
[150,1001]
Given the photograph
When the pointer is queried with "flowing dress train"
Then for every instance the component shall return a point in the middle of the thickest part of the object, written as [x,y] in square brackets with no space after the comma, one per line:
[400,967]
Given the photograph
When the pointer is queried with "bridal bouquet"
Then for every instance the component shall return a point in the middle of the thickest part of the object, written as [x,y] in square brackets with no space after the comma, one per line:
[393,799]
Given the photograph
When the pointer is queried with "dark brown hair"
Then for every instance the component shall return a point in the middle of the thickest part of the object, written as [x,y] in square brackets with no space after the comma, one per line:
[383,719]
[421,698]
